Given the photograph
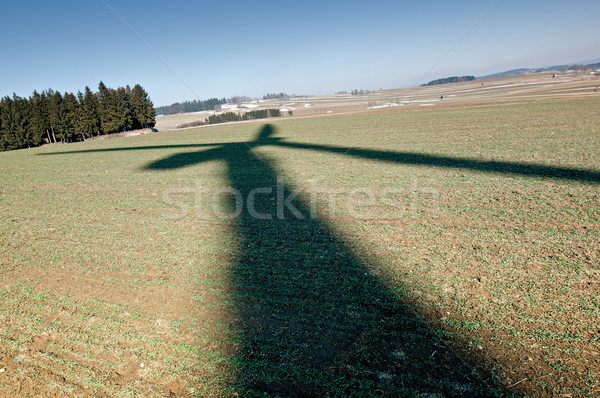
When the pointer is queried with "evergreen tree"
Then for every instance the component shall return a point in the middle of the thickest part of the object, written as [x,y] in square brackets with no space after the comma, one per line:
[143,109]
[124,109]
[102,91]
[81,116]
[111,112]
[9,140]
[39,123]
[70,109]
[56,115]
[90,118]
[21,116]
[103,94]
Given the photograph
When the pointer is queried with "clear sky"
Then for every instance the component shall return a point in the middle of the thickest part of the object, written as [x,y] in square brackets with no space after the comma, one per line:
[196,50]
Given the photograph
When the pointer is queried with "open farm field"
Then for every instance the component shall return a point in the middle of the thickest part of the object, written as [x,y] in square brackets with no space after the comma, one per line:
[477,92]
[449,250]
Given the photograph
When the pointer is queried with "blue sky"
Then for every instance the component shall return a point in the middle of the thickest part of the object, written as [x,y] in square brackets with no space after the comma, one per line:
[254,47]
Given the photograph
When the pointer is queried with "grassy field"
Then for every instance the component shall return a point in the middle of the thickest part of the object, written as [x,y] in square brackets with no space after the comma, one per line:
[451,251]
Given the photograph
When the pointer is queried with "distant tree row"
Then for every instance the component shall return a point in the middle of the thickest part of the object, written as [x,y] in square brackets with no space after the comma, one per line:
[52,116]
[578,67]
[453,79]
[279,96]
[360,92]
[195,123]
[234,117]
[238,99]
[276,96]
[190,106]
[200,105]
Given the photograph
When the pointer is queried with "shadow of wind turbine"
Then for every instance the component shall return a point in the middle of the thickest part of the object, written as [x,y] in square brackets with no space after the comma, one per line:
[313,317]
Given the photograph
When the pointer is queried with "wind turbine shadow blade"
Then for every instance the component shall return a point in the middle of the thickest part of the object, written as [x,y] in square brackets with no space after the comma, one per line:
[486,166]
[184,159]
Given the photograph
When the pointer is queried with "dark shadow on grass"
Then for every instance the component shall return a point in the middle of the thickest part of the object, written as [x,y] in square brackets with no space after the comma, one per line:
[314,318]
[487,166]
[130,148]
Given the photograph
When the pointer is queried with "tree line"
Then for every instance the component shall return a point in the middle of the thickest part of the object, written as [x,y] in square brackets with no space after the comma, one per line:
[190,106]
[280,96]
[453,79]
[234,117]
[54,117]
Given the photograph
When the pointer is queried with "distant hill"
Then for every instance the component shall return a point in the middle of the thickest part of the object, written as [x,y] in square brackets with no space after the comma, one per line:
[588,64]
[589,61]
[523,71]
[453,79]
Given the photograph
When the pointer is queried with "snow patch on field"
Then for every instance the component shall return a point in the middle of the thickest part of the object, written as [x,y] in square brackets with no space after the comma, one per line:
[387,105]
[417,101]
[547,83]
[239,107]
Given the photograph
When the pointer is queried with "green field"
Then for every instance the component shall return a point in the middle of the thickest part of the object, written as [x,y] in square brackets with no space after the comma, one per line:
[452,251]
